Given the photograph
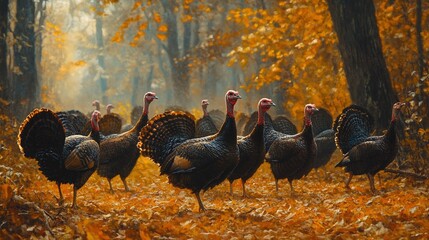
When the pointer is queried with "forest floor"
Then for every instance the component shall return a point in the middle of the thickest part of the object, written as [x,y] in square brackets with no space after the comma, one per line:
[154,209]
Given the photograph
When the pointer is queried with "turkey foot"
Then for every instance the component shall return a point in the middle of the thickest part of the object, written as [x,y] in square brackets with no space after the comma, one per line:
[292,191]
[74,206]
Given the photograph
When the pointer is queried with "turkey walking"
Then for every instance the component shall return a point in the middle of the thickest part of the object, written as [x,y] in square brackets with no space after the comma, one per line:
[205,125]
[365,154]
[292,157]
[192,163]
[251,147]
[61,159]
[119,153]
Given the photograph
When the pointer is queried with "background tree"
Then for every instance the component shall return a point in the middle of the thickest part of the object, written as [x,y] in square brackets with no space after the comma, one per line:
[4,86]
[25,87]
[360,47]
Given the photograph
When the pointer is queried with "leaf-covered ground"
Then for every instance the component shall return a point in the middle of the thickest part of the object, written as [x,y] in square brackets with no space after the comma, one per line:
[154,209]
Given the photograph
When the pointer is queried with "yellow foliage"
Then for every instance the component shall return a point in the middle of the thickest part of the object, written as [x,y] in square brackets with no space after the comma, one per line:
[161,36]
[186,18]
[163,28]
[157,17]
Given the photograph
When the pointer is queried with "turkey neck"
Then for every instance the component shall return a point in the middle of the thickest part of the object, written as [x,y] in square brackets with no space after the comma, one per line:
[258,130]
[95,131]
[391,132]
[307,132]
[228,131]
[143,118]
[205,113]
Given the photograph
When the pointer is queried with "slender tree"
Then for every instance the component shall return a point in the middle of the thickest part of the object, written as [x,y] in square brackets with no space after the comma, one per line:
[100,45]
[365,67]
[25,87]
[4,83]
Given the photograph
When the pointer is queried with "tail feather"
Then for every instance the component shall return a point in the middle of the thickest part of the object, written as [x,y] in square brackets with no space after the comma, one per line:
[205,127]
[218,117]
[110,124]
[352,127]
[250,124]
[73,121]
[284,125]
[321,121]
[41,131]
[241,120]
[164,132]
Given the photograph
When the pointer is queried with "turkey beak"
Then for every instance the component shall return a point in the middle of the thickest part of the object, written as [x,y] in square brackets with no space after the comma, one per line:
[315,109]
[156,97]
[272,104]
[238,96]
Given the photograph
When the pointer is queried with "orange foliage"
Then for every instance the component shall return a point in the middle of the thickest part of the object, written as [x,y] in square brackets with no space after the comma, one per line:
[296,45]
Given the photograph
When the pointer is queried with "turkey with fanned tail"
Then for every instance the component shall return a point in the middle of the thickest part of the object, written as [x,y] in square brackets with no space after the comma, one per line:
[363,153]
[292,156]
[192,163]
[62,159]
[119,153]
[251,147]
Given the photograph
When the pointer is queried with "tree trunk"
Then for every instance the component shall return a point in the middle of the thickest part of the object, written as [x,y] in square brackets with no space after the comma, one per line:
[360,47]
[25,85]
[4,82]
[100,45]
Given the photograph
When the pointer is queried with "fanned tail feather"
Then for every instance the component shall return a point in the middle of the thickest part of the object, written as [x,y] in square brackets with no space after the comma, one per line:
[352,127]
[164,132]
[73,121]
[41,131]
[110,124]
[321,121]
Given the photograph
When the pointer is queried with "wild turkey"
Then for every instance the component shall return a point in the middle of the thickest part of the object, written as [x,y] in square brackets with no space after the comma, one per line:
[205,125]
[110,123]
[323,136]
[193,163]
[73,121]
[61,159]
[135,116]
[118,152]
[251,148]
[292,157]
[365,154]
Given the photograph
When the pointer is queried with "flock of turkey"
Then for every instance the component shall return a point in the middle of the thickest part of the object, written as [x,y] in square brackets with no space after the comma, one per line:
[200,154]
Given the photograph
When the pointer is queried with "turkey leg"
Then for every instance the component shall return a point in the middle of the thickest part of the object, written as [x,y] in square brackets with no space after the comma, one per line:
[292,191]
[243,182]
[230,188]
[277,185]
[74,206]
[125,184]
[110,184]
[349,180]
[200,203]
[371,183]
[61,200]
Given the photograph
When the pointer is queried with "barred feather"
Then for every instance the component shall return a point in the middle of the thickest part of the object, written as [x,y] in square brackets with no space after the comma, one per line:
[110,123]
[164,132]
[205,127]
[352,127]
[218,117]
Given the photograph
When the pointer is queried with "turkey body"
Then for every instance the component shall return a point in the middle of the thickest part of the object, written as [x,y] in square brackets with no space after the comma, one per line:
[119,153]
[292,157]
[61,159]
[73,121]
[192,163]
[252,152]
[364,154]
